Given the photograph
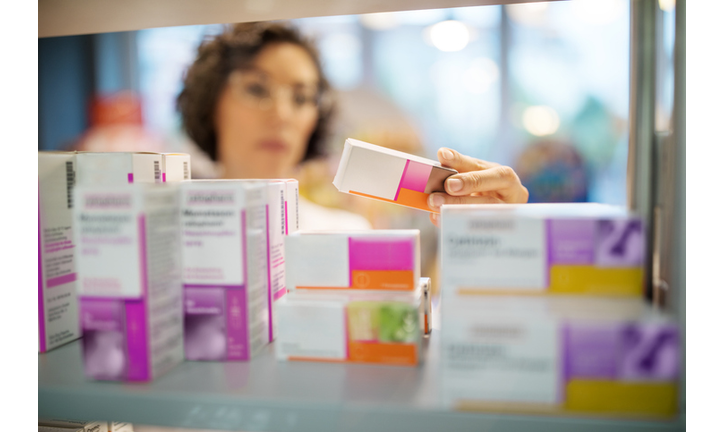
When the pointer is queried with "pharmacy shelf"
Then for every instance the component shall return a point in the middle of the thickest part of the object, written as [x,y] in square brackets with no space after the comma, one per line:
[267,395]
[73,17]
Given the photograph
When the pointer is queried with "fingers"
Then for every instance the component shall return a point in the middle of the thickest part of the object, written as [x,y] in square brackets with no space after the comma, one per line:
[452,159]
[435,219]
[501,180]
[437,200]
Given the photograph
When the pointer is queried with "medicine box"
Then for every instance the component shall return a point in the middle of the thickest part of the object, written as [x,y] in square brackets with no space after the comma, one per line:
[226,309]
[129,280]
[559,355]
[113,168]
[282,200]
[57,301]
[175,167]
[369,260]
[351,326]
[389,175]
[575,249]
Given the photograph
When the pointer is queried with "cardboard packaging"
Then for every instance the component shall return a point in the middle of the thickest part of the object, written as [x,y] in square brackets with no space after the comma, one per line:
[368,260]
[389,175]
[176,167]
[282,208]
[226,309]
[573,249]
[129,280]
[559,355]
[351,326]
[115,168]
[57,302]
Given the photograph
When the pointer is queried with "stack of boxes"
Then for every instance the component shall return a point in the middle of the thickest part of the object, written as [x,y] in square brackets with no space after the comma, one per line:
[543,311]
[542,304]
[354,297]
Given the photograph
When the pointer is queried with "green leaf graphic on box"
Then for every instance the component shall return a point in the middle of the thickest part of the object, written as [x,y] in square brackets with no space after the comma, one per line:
[398,323]
[363,320]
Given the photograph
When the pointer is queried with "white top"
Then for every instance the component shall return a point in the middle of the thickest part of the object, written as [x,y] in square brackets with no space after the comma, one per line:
[316,217]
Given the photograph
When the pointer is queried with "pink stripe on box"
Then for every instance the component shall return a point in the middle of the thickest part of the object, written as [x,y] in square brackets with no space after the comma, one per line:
[402,180]
[130,177]
[237,334]
[381,254]
[60,280]
[279,294]
[164,177]
[41,302]
[137,341]
[415,176]
[268,274]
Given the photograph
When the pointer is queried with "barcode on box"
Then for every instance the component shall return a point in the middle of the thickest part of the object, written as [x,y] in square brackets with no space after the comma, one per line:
[156,171]
[69,182]
[187,175]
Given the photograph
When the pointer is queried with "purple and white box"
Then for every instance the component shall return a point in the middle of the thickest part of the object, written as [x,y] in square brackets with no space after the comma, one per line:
[57,301]
[559,354]
[224,243]
[116,168]
[570,249]
[129,280]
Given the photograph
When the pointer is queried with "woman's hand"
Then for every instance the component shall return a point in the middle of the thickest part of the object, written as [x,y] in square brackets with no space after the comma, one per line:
[478,182]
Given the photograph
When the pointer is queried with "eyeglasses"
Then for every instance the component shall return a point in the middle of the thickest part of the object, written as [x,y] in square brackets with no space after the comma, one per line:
[257,90]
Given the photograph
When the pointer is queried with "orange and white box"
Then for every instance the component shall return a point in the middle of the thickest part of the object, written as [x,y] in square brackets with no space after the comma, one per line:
[389,175]
[115,168]
[359,260]
[176,167]
[351,326]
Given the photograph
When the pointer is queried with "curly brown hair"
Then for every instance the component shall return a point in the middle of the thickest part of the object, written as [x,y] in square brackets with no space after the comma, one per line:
[233,49]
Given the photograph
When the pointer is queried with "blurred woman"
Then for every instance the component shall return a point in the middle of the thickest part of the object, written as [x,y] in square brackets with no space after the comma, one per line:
[257,102]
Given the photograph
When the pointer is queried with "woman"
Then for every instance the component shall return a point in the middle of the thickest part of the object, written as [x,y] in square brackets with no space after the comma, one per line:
[257,102]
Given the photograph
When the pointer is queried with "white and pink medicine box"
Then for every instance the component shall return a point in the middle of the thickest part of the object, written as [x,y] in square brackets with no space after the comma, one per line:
[175,167]
[112,168]
[389,175]
[226,309]
[367,260]
[129,280]
[282,200]
[57,301]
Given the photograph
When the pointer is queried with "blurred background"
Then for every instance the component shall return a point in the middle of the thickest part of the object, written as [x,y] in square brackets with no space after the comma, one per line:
[541,87]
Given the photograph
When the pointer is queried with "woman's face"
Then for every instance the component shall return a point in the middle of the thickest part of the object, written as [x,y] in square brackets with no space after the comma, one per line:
[266,114]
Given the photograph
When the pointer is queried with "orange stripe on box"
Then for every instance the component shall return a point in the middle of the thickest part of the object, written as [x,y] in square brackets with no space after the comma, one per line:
[387,353]
[406,197]
[398,280]
[426,327]
[414,199]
